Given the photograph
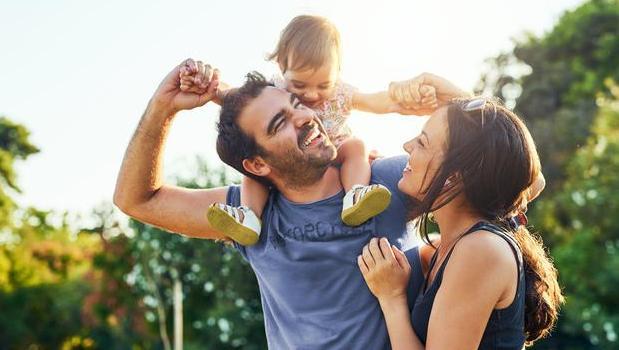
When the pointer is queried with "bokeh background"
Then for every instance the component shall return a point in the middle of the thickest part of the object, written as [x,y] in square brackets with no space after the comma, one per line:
[75,77]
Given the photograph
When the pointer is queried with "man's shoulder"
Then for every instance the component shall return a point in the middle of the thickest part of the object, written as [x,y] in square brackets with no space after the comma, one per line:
[388,167]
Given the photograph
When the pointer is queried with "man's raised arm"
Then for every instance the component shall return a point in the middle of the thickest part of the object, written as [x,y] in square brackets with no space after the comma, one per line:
[140,191]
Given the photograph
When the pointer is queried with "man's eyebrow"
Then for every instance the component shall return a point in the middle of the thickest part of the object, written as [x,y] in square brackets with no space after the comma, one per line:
[274,120]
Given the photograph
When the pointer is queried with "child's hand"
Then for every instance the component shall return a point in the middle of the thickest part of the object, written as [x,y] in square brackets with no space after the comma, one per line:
[414,95]
[195,76]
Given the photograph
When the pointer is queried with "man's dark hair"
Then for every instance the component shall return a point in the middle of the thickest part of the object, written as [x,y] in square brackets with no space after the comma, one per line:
[234,145]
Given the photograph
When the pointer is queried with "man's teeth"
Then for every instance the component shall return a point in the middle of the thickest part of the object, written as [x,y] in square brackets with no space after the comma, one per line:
[311,137]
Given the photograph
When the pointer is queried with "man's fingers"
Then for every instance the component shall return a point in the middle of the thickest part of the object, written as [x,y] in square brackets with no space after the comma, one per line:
[208,74]
[199,76]
[209,93]
[187,80]
[216,74]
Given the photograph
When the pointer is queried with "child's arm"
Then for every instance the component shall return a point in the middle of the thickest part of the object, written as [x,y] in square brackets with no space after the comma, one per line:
[195,77]
[254,195]
[382,102]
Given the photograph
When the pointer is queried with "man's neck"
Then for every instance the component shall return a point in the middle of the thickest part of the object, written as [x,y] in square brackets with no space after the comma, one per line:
[328,185]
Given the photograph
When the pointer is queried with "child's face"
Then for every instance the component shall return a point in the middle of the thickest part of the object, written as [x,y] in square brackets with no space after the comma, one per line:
[313,86]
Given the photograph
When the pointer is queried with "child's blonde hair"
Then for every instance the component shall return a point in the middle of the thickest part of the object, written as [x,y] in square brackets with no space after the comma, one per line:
[310,41]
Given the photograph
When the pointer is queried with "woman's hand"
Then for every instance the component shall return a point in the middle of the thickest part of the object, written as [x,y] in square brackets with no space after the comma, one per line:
[425,92]
[385,268]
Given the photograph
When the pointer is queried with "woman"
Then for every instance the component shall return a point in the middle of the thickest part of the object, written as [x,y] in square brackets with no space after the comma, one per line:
[489,284]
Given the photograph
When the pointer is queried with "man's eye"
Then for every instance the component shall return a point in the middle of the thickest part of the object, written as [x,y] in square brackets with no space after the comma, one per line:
[280,125]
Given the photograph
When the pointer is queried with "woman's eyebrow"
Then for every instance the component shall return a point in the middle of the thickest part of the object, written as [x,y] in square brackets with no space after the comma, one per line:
[426,135]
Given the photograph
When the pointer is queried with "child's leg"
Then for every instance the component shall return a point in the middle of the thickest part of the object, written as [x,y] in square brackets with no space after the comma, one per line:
[242,224]
[254,195]
[355,168]
[362,201]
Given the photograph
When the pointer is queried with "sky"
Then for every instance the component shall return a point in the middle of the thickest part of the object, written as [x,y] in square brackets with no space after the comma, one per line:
[78,74]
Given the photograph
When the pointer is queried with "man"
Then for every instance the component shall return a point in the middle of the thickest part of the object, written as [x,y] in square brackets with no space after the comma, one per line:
[313,295]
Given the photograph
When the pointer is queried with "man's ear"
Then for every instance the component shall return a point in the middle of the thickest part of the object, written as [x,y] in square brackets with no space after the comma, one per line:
[256,166]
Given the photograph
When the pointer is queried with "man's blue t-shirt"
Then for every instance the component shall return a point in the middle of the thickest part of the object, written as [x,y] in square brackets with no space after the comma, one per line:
[313,294]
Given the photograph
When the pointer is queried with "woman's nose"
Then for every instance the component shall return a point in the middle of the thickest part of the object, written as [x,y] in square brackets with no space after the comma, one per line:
[408,146]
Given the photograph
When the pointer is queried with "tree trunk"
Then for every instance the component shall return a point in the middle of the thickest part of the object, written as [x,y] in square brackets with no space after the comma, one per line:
[178,314]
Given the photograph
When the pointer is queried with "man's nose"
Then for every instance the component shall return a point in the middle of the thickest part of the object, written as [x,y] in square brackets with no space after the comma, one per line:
[302,116]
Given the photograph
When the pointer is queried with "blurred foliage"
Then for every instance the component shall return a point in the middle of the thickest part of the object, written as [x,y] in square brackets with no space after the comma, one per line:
[41,263]
[221,305]
[14,145]
[582,217]
[553,80]
[108,286]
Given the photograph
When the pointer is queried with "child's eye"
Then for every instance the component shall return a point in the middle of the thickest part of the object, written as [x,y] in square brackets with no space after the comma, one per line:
[298,86]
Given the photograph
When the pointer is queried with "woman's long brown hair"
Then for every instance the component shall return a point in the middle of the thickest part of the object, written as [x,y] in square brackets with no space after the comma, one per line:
[492,160]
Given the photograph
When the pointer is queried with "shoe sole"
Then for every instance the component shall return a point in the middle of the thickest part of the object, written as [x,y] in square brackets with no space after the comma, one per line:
[221,221]
[372,204]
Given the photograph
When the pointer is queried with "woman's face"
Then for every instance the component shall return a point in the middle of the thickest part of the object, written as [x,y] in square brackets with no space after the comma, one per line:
[426,153]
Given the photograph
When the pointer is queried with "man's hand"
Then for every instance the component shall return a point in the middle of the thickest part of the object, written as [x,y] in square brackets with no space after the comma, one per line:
[169,96]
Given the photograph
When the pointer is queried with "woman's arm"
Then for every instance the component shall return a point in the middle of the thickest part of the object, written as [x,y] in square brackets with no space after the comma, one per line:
[481,275]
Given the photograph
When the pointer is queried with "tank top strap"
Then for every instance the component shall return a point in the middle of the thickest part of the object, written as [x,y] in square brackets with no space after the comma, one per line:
[481,225]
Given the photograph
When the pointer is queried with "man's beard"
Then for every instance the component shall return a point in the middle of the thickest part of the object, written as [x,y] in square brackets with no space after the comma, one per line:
[300,170]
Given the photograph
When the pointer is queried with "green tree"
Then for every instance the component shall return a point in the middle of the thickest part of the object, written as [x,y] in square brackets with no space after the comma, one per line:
[582,215]
[221,301]
[554,80]
[14,145]
[41,289]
